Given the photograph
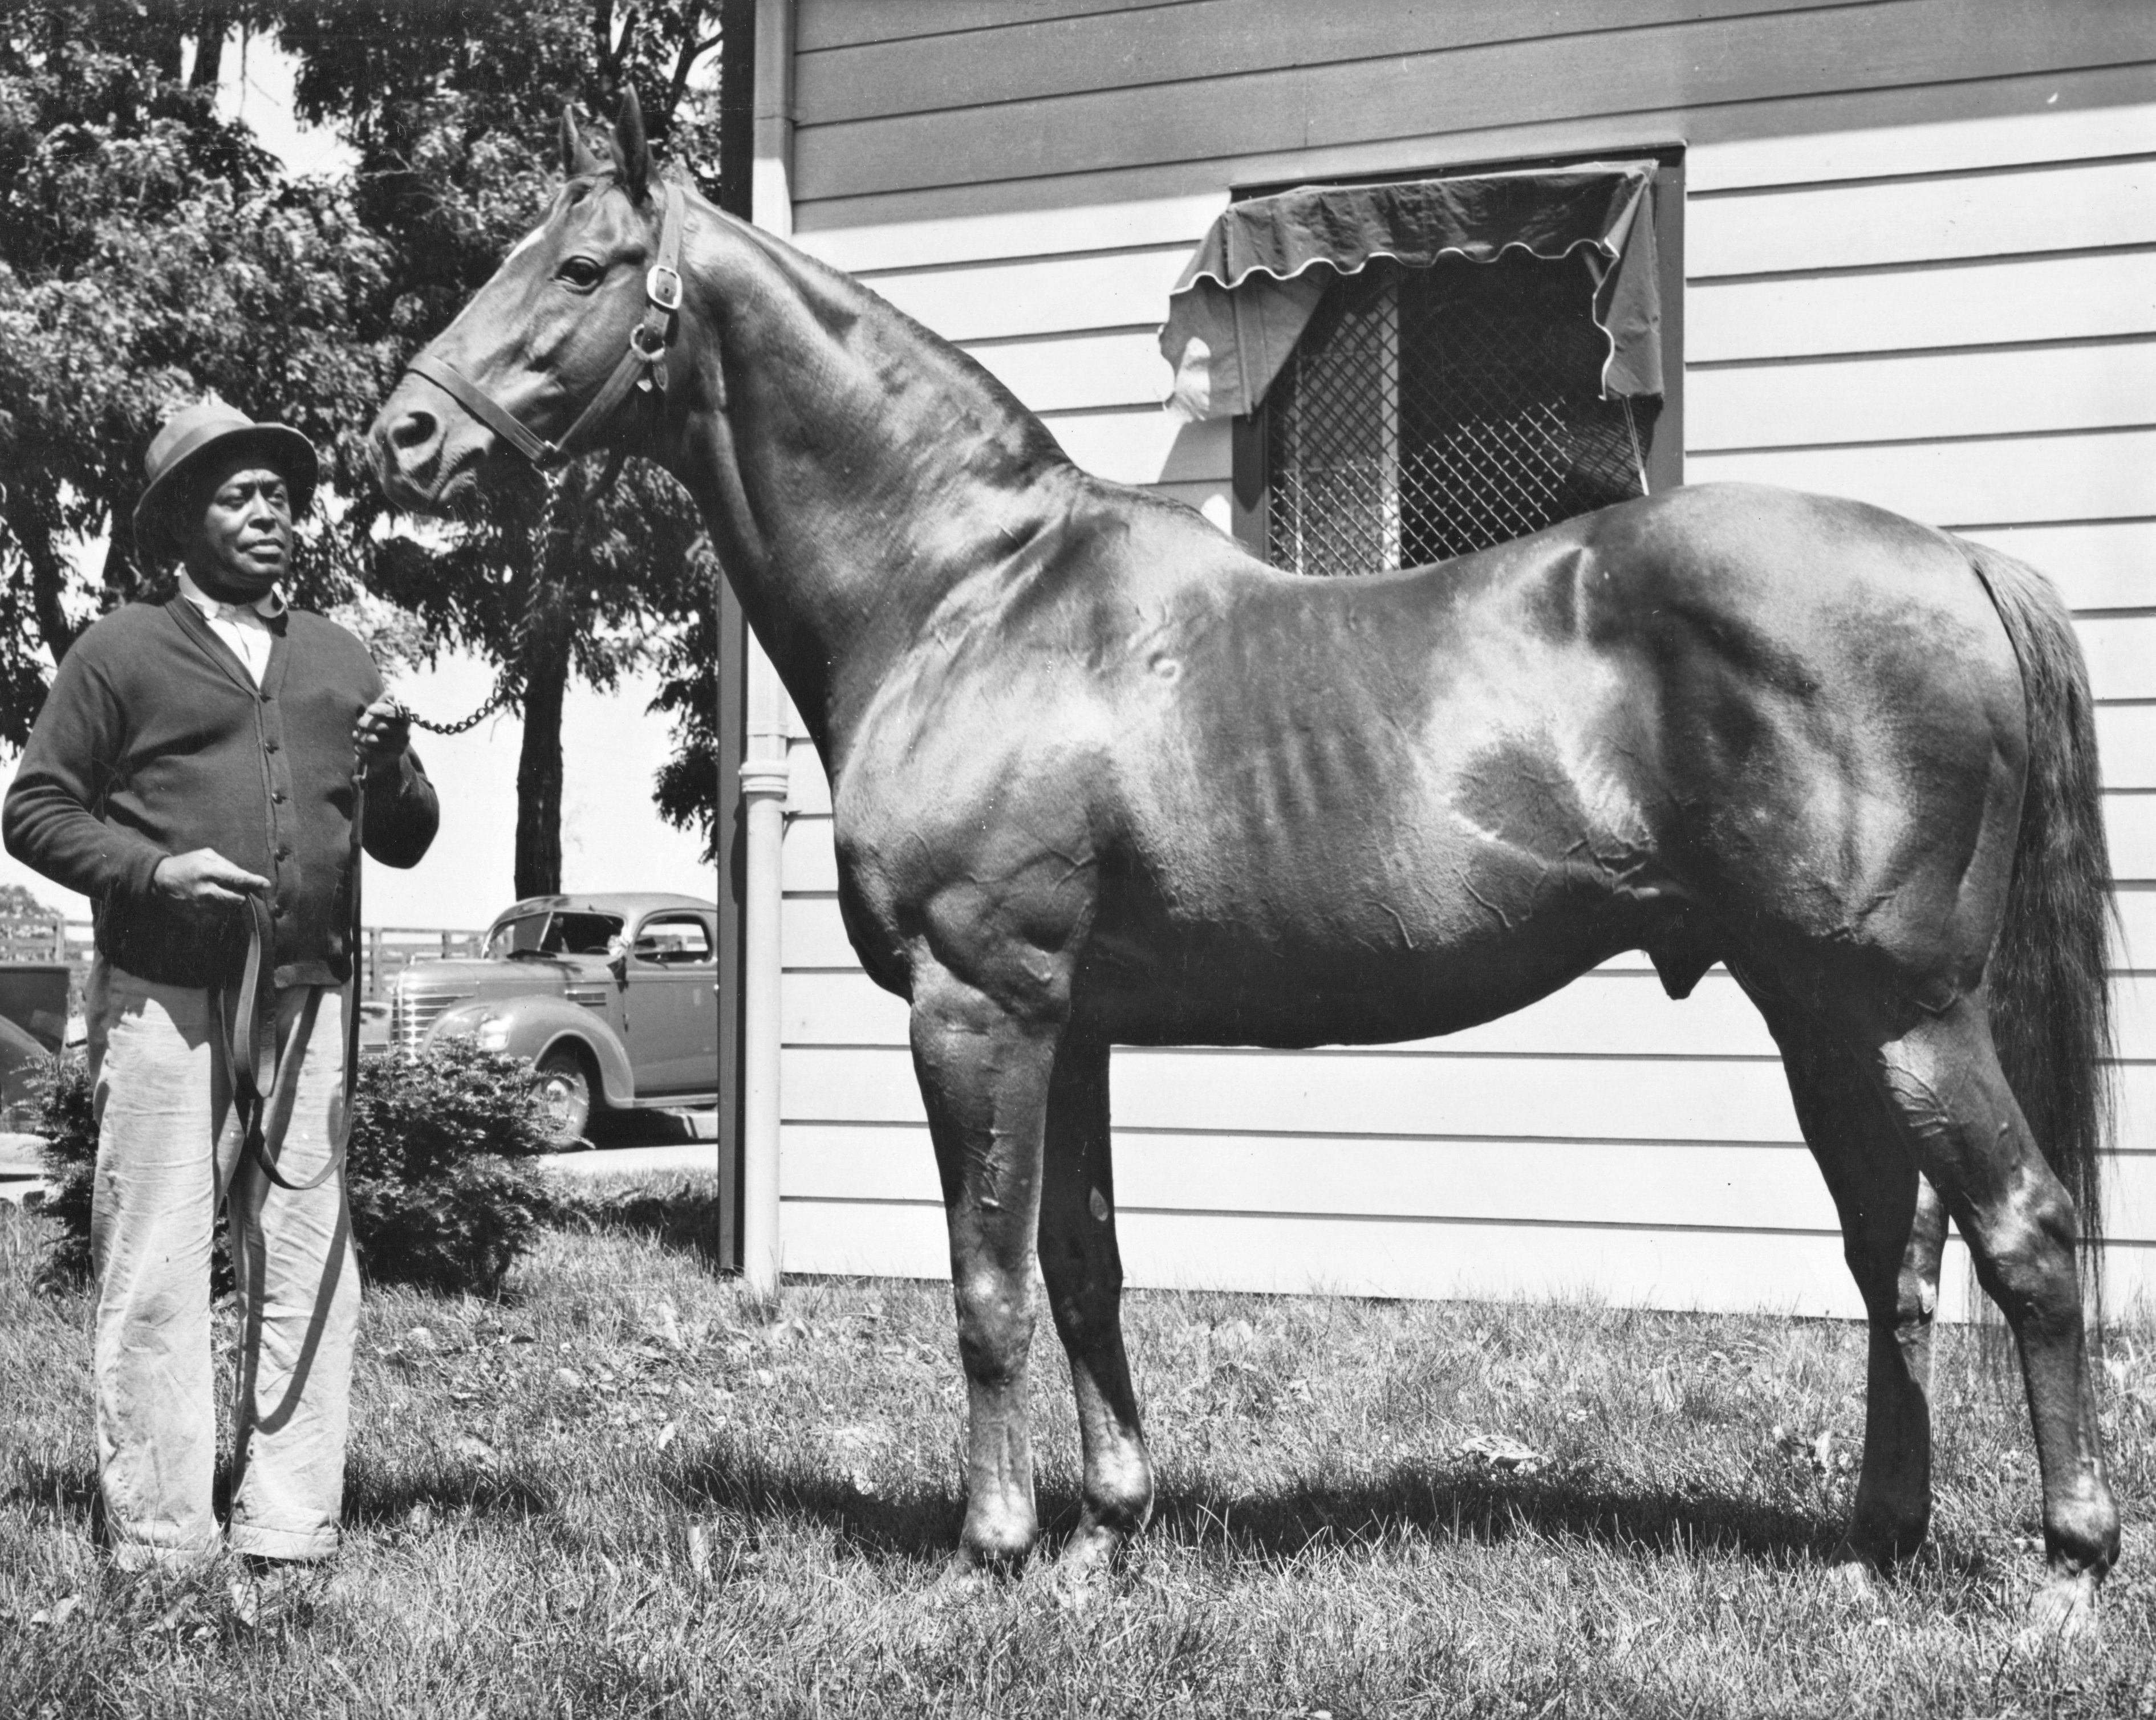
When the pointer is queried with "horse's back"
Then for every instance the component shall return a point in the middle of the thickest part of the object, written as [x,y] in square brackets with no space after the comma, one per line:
[1284,809]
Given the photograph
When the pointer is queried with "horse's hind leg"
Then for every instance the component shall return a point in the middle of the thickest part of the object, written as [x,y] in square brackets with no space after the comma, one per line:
[1893,1225]
[984,1078]
[1084,1273]
[1942,1080]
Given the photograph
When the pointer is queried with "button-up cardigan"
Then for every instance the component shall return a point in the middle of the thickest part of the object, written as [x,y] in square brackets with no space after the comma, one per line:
[155,741]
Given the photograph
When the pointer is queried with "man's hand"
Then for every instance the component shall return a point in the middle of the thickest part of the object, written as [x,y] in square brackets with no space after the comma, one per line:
[204,877]
[382,734]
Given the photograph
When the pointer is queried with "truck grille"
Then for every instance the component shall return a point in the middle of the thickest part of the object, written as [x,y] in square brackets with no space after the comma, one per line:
[416,1007]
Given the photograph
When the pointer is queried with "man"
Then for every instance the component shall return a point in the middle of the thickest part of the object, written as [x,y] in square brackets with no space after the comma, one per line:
[193,755]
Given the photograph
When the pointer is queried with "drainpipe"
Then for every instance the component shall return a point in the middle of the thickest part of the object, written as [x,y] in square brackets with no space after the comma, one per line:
[764,772]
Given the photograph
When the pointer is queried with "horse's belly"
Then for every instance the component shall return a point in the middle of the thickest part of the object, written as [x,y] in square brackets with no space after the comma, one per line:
[1373,961]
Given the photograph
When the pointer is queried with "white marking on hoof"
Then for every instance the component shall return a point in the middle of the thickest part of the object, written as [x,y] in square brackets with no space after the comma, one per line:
[2063,1615]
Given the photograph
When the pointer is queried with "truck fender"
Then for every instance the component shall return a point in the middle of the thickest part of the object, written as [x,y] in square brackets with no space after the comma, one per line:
[538,1025]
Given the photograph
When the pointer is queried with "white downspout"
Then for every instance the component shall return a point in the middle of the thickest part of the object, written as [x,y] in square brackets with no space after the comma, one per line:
[764,772]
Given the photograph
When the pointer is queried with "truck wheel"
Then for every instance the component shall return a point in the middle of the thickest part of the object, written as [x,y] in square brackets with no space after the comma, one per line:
[565,1099]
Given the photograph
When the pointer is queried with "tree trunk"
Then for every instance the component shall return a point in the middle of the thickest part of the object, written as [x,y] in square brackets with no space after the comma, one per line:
[211,25]
[539,764]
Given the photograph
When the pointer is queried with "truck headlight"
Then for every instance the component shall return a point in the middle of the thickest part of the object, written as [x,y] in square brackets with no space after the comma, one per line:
[493,1035]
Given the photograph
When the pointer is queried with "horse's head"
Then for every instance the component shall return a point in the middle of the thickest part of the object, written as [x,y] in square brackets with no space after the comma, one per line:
[551,337]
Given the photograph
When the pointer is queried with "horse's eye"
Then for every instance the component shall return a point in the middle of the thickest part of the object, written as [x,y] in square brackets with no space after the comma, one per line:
[581,272]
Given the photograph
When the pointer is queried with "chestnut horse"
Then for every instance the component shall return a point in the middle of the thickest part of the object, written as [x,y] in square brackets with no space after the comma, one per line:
[1100,778]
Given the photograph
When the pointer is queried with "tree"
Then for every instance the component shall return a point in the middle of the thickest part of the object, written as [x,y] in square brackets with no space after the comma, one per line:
[150,253]
[454,110]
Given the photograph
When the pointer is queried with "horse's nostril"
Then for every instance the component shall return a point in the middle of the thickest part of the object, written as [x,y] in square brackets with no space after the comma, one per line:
[413,431]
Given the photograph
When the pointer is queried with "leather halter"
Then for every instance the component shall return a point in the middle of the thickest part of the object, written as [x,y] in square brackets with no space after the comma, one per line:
[642,366]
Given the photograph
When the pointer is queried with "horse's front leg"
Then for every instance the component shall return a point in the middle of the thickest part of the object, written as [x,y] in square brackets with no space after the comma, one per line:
[984,1072]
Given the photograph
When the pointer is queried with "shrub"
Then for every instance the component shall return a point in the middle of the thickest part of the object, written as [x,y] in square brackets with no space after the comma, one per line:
[443,1190]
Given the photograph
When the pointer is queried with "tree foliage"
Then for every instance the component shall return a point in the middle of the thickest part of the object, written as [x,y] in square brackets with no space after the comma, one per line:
[454,110]
[150,253]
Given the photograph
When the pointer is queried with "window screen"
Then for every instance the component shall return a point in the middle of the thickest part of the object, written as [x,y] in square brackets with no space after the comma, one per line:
[1427,413]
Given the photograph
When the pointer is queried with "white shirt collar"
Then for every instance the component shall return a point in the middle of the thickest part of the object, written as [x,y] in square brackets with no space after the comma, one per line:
[269,608]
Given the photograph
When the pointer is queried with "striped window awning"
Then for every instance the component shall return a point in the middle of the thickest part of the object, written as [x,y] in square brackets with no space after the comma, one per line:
[1247,295]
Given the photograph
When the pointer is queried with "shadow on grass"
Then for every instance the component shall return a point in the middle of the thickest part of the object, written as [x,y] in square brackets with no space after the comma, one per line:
[61,1491]
[683,1217]
[372,1500]
[1435,1503]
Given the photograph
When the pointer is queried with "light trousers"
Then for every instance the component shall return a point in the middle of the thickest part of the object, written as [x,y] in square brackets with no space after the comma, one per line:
[168,1148]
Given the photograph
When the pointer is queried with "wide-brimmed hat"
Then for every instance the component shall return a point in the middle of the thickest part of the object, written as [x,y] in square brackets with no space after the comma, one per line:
[196,433]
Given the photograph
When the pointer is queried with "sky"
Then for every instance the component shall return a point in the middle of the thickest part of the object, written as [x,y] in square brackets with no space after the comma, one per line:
[611,838]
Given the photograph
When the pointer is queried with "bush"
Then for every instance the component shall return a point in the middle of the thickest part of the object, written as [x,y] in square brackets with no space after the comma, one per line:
[443,1190]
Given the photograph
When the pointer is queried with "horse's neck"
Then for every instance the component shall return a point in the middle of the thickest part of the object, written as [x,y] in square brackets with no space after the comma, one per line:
[856,470]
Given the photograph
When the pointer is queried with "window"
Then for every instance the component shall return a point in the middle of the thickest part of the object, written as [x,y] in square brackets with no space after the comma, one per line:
[1428,413]
[675,939]
[559,934]
[1419,369]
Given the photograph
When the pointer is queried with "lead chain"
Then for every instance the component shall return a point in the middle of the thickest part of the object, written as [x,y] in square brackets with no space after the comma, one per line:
[505,680]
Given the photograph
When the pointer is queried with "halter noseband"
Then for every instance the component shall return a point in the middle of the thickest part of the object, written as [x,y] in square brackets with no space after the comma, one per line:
[643,366]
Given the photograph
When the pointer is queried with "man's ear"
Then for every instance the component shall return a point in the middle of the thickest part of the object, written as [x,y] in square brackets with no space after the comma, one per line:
[577,157]
[631,149]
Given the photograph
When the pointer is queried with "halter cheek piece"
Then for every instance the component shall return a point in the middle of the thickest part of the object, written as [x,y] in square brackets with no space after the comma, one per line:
[643,366]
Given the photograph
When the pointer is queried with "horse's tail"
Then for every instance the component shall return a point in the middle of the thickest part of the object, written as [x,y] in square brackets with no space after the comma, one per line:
[2051,991]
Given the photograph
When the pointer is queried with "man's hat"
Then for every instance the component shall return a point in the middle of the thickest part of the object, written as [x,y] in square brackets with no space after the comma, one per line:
[190,437]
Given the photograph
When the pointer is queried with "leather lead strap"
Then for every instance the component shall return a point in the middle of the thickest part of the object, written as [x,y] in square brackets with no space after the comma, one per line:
[265,1110]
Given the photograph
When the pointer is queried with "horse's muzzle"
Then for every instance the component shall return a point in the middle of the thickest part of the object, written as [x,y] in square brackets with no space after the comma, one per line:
[420,460]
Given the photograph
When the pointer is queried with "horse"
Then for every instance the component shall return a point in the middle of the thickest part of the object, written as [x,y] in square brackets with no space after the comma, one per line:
[1100,777]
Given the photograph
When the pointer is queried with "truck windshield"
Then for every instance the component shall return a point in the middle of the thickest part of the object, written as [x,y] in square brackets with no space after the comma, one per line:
[566,933]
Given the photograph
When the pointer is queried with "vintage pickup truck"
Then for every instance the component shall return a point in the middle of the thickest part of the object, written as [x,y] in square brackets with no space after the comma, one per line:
[614,998]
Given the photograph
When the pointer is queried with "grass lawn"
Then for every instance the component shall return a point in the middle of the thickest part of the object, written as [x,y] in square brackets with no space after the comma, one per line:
[627,1490]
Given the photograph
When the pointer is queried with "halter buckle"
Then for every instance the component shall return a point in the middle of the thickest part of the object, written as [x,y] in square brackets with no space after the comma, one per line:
[650,343]
[663,286]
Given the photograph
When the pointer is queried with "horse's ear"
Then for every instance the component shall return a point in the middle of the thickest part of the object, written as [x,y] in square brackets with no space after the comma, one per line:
[577,157]
[631,147]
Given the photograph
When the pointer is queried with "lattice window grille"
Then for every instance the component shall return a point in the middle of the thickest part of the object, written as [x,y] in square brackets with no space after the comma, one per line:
[1335,459]
[1429,412]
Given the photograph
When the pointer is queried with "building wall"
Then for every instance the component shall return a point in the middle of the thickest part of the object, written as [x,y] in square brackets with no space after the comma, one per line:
[1920,260]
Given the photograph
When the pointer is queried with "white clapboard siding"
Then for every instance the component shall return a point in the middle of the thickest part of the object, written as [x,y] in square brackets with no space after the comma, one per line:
[2098,564]
[1937,297]
[2126,737]
[2122,653]
[1775,1188]
[2137,931]
[1077,373]
[2078,207]
[2097,474]
[1363,1093]
[2130,821]
[1920,396]
[1031,230]
[1960,145]
[1145,445]
[1991,301]
[1041,296]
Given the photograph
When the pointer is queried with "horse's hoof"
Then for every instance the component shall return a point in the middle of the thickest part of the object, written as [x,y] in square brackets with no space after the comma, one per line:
[1091,1551]
[2063,1614]
[1855,1575]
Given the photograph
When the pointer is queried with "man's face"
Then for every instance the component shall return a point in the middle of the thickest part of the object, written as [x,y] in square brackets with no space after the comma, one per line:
[242,541]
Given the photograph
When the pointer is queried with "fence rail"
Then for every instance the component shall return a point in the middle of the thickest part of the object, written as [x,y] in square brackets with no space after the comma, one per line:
[390,949]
